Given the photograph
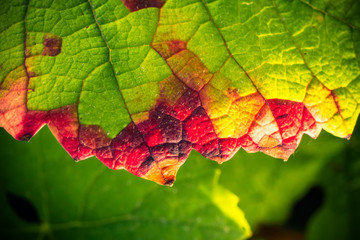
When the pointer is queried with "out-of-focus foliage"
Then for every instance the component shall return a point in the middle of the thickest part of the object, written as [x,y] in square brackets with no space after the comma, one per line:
[269,189]
[86,200]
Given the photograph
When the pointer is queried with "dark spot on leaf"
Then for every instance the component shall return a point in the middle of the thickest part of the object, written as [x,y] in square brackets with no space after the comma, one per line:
[135,5]
[52,45]
[26,137]
[22,207]
[282,116]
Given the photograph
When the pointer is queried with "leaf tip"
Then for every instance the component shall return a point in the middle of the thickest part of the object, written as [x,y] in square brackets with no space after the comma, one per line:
[164,172]
[348,137]
[25,137]
[169,182]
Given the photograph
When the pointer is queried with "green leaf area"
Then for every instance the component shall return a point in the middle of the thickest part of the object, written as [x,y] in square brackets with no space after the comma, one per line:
[44,194]
[86,200]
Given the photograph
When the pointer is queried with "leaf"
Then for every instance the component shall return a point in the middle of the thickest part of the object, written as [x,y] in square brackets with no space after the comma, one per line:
[89,201]
[141,83]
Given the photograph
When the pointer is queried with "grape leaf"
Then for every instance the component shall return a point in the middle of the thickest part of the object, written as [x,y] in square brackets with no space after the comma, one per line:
[89,201]
[140,83]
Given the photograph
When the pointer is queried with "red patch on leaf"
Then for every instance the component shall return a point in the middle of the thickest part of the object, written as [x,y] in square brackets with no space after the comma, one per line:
[184,106]
[169,48]
[135,5]
[15,118]
[278,128]
[176,46]
[63,123]
[129,149]
[228,148]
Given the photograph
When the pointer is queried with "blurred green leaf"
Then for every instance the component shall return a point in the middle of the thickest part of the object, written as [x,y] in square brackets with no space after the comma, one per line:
[340,215]
[268,187]
[86,200]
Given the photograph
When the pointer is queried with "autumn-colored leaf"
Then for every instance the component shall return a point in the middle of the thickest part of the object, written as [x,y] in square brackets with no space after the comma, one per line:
[140,83]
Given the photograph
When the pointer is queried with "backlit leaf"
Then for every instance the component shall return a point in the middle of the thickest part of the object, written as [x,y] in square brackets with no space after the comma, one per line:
[140,83]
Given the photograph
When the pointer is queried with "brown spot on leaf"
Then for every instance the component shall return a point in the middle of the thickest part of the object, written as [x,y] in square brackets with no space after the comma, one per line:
[52,45]
[135,5]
